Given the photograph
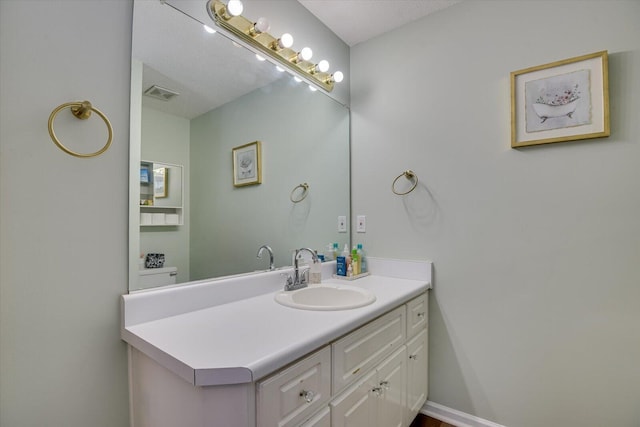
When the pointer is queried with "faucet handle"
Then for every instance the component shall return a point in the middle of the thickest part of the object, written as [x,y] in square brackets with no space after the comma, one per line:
[288,280]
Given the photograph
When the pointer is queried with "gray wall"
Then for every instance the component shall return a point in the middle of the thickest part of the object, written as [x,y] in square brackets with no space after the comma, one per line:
[165,138]
[534,317]
[63,220]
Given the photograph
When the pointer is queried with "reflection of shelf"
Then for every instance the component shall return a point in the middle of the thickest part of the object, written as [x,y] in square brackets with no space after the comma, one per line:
[166,209]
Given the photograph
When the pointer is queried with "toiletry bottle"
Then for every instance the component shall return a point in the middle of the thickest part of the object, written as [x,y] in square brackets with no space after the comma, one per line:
[335,250]
[315,272]
[355,263]
[341,264]
[329,255]
[346,253]
[363,259]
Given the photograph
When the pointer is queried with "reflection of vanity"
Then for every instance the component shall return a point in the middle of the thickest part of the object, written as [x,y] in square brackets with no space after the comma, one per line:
[161,188]
[202,354]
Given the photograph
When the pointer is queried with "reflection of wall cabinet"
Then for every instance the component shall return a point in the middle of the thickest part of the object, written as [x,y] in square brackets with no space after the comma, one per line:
[161,194]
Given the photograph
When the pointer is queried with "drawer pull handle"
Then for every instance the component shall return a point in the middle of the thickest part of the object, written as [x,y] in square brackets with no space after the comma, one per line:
[377,391]
[385,385]
[413,357]
[421,315]
[307,395]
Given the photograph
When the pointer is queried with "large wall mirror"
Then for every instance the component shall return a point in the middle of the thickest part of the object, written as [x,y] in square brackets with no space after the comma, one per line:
[205,97]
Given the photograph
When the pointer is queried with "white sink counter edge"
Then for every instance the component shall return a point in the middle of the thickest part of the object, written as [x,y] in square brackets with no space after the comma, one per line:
[228,340]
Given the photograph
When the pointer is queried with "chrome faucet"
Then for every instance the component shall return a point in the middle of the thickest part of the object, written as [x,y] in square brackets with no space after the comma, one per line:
[299,280]
[259,255]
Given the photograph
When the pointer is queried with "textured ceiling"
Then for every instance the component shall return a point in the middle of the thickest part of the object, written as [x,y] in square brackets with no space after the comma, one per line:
[355,21]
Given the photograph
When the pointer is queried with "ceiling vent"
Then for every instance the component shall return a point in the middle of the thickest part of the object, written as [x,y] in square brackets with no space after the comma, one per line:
[160,93]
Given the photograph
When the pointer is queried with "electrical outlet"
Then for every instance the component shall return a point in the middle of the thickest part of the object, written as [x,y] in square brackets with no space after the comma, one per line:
[361,224]
[342,224]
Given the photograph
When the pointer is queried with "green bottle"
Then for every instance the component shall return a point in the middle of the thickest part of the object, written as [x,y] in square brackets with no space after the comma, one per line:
[355,262]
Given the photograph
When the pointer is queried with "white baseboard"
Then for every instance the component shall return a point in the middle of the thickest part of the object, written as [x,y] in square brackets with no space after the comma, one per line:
[455,417]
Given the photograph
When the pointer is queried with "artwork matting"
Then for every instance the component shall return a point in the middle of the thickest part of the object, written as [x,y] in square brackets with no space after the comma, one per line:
[561,101]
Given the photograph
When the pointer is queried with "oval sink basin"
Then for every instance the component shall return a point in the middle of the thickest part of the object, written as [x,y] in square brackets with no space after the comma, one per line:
[326,297]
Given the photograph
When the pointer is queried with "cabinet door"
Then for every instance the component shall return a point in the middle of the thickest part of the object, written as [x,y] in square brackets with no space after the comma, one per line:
[321,419]
[418,371]
[356,407]
[417,312]
[294,394]
[392,380]
[362,350]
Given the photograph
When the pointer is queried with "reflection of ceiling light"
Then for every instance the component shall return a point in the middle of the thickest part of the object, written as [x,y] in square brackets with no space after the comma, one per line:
[234,7]
[279,68]
[208,29]
[161,93]
[254,36]
[297,79]
[260,58]
[312,88]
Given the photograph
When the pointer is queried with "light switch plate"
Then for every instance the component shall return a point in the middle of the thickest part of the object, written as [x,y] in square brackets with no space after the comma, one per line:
[342,224]
[361,224]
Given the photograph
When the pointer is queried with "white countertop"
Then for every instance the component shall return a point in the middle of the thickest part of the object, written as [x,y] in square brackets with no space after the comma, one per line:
[241,341]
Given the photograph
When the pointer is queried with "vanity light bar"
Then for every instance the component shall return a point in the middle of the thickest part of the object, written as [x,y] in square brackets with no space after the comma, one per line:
[242,30]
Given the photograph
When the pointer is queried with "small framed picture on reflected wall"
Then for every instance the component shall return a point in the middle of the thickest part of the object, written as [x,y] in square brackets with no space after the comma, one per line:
[247,164]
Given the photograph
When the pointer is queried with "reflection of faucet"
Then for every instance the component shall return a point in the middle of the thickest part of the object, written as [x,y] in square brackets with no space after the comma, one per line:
[299,280]
[271,264]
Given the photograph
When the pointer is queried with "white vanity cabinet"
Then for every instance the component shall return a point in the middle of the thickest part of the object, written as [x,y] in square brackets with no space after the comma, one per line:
[226,366]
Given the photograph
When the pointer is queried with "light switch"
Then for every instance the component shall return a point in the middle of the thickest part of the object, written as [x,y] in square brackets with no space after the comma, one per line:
[361,224]
[342,224]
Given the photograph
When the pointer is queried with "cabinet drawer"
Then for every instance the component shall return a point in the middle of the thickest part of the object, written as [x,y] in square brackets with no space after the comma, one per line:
[321,419]
[361,350]
[417,313]
[292,395]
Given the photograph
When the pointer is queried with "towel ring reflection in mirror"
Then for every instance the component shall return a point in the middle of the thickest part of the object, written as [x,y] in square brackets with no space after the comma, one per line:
[82,110]
[411,176]
[303,193]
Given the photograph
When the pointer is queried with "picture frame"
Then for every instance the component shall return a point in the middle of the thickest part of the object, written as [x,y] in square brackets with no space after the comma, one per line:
[160,176]
[247,164]
[561,101]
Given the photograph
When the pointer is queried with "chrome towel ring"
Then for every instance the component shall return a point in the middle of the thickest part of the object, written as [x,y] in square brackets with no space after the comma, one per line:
[411,176]
[82,110]
[305,191]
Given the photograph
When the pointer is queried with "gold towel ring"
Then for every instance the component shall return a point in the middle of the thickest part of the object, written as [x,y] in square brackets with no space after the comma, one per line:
[409,174]
[305,191]
[82,110]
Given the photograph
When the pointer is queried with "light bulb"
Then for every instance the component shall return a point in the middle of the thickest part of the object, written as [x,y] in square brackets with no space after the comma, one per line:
[285,41]
[260,58]
[338,76]
[208,29]
[234,7]
[305,54]
[323,66]
[262,25]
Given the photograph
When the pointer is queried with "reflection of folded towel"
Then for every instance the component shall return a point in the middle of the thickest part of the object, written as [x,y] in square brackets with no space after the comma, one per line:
[154,261]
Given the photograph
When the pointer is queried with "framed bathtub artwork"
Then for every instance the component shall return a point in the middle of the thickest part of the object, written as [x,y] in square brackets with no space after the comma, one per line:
[562,101]
[247,164]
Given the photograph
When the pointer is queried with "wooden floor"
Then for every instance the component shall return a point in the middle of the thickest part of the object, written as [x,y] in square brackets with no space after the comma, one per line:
[424,421]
